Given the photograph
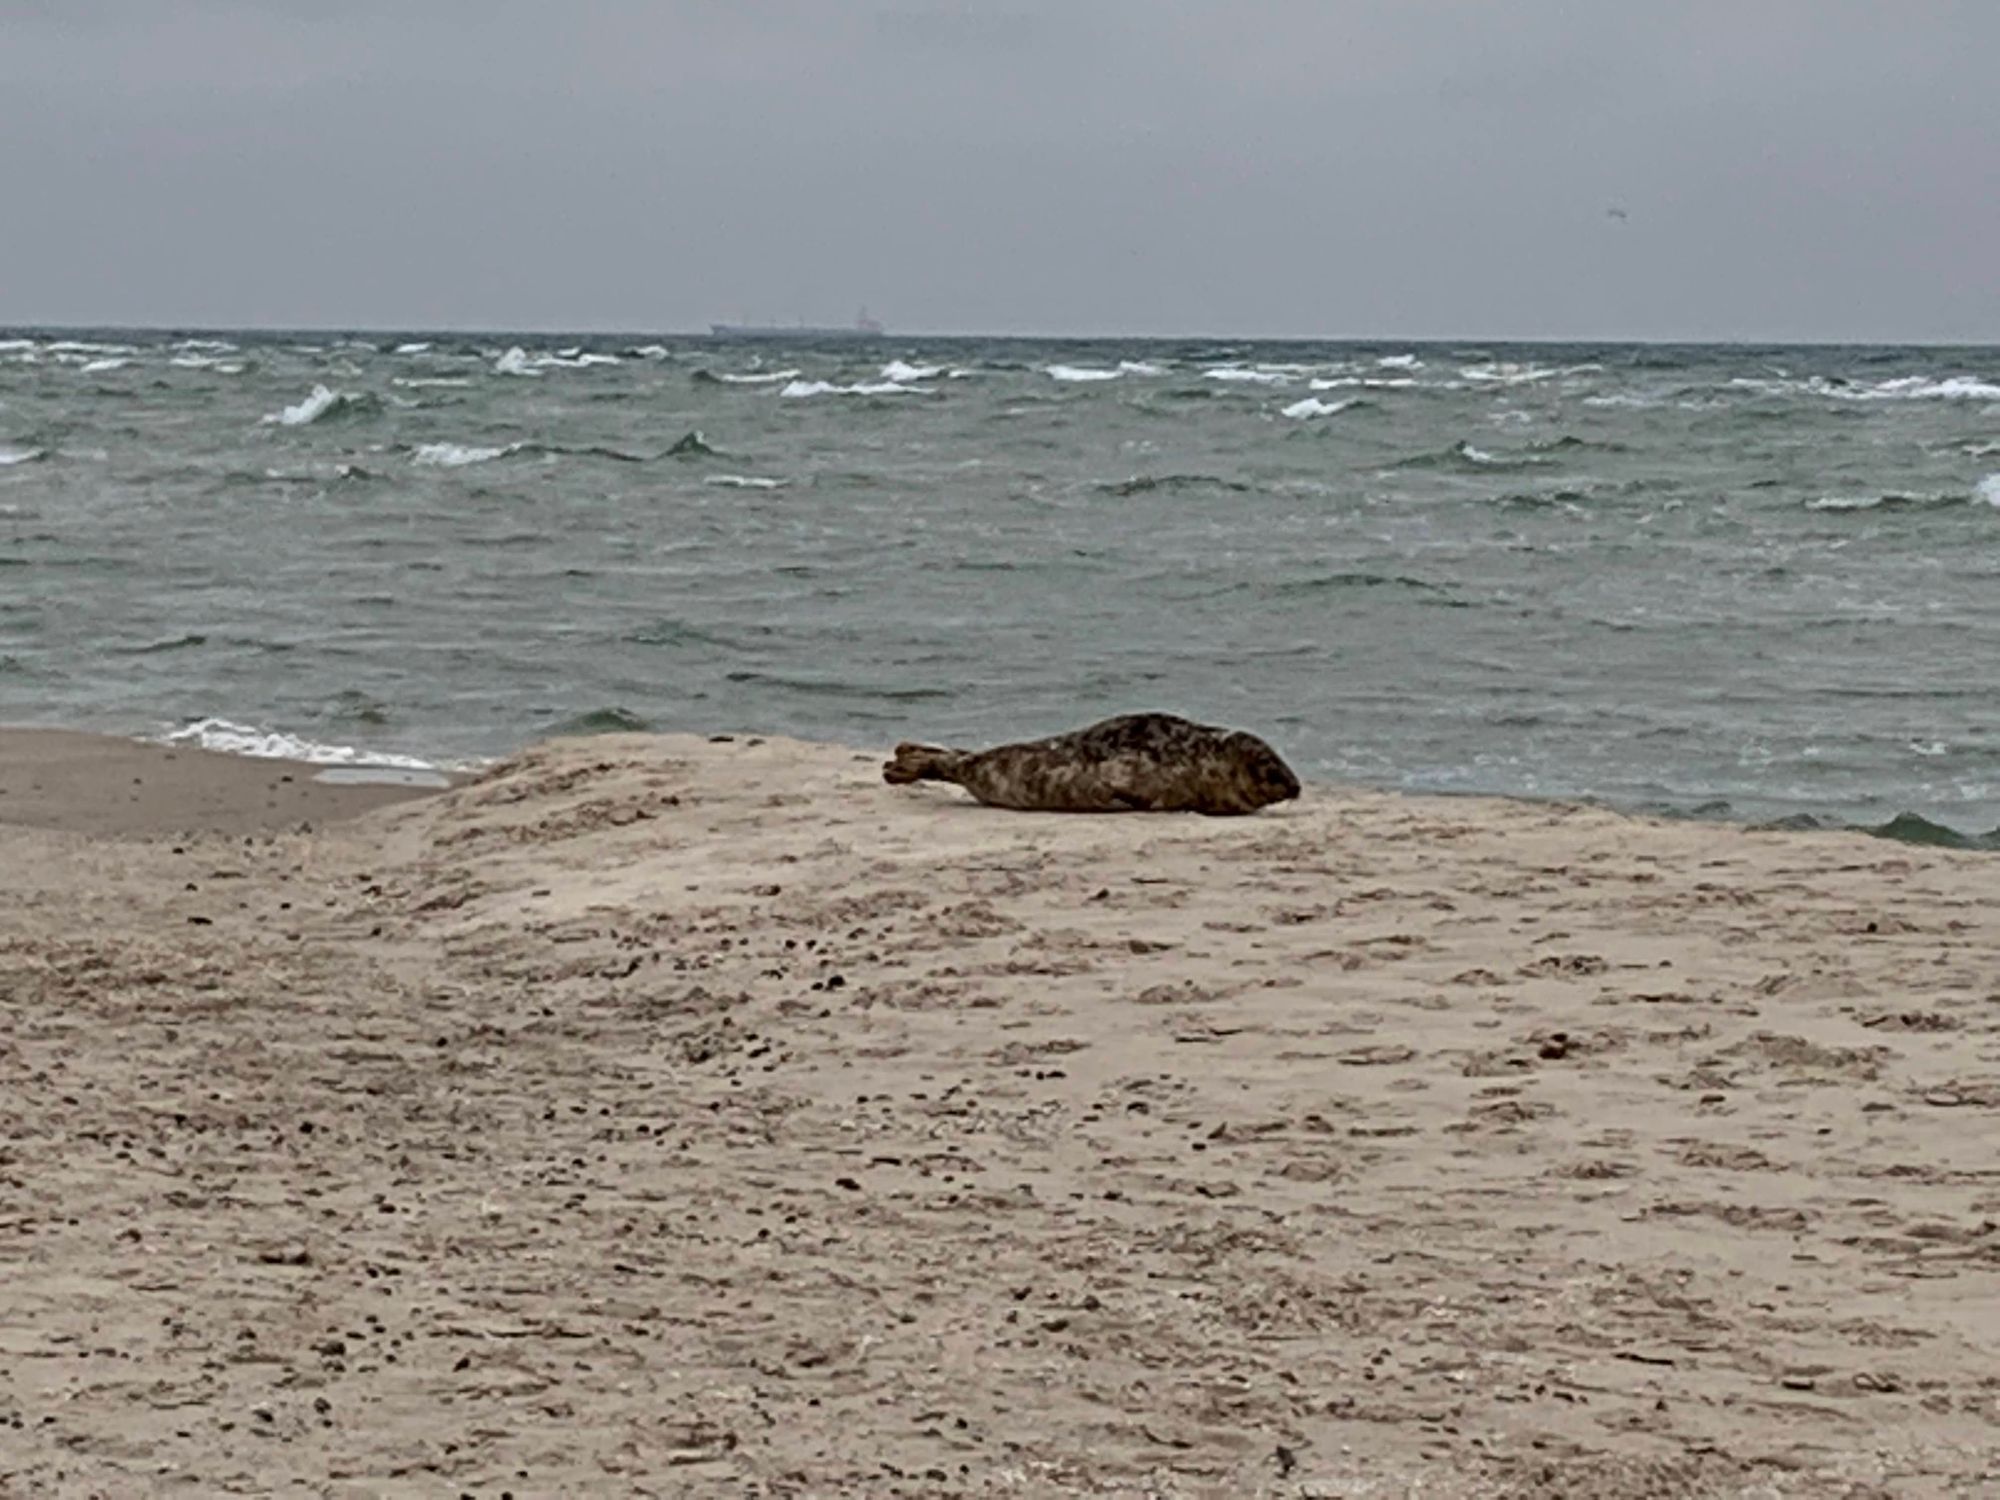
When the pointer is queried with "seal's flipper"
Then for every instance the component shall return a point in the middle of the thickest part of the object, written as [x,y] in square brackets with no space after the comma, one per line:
[922,763]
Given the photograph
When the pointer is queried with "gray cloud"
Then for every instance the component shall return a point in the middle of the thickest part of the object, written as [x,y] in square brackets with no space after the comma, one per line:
[1793,169]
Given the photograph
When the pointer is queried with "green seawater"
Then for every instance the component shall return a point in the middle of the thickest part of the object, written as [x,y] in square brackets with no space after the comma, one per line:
[1756,583]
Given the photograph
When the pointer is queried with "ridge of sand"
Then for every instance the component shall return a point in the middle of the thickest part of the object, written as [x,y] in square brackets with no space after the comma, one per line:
[653,1116]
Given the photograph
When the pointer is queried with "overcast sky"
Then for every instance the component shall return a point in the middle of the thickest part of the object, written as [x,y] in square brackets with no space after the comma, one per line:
[1789,169]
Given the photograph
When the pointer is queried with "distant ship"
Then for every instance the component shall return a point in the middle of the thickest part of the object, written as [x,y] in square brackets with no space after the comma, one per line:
[864,327]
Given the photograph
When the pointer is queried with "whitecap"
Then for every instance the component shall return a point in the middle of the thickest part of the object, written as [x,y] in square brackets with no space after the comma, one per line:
[456,455]
[766,377]
[211,346]
[11,456]
[246,739]
[15,346]
[514,362]
[1140,367]
[1478,455]
[413,348]
[1506,372]
[100,366]
[428,382]
[802,388]
[318,404]
[1368,382]
[1924,388]
[1982,450]
[744,482]
[1988,489]
[1245,375]
[1081,373]
[649,351]
[898,370]
[1400,362]
[1312,406]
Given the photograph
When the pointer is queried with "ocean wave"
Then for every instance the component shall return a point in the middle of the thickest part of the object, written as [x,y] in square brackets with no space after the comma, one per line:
[418,348]
[1463,454]
[745,482]
[1988,489]
[275,744]
[900,370]
[17,346]
[800,389]
[430,382]
[748,377]
[1507,372]
[1140,367]
[600,721]
[515,362]
[1247,375]
[1925,388]
[207,362]
[10,456]
[1312,406]
[457,455]
[101,366]
[324,401]
[690,445]
[1146,484]
[648,351]
[1367,383]
[1080,374]
[1400,362]
[1323,582]
[1931,501]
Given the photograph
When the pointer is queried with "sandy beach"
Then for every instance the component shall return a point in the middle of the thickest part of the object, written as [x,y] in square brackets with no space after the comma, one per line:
[659,1116]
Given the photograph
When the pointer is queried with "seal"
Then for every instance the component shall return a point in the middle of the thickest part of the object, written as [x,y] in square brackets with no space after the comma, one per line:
[1133,763]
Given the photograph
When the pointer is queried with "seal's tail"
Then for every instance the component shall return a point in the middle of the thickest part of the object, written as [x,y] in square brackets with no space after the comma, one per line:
[922,763]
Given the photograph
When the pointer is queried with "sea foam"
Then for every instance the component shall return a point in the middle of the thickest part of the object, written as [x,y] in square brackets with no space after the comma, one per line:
[1312,406]
[322,400]
[1080,374]
[899,370]
[1988,489]
[802,388]
[246,739]
[456,455]
[11,456]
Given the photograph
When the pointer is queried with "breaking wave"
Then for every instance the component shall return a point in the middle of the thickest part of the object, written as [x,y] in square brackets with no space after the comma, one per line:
[323,402]
[457,455]
[275,744]
[751,377]
[800,389]
[1081,374]
[11,456]
[745,482]
[1312,406]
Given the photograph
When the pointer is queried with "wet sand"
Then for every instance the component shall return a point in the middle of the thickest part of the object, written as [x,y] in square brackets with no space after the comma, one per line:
[97,784]
[657,1116]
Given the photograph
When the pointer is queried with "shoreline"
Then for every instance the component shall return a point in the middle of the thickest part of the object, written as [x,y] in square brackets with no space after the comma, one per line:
[205,777]
[73,781]
[709,1114]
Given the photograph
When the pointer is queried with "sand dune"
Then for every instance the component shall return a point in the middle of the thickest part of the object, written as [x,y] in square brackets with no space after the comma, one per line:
[658,1116]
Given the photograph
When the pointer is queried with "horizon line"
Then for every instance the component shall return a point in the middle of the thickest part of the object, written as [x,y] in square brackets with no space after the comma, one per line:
[826,333]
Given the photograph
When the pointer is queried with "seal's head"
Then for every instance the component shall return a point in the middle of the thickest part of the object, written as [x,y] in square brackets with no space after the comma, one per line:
[1264,771]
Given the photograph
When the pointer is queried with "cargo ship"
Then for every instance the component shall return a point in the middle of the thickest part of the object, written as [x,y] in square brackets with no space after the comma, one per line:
[864,327]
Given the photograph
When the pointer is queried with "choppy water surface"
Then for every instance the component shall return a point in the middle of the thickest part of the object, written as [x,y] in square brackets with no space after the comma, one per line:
[1747,582]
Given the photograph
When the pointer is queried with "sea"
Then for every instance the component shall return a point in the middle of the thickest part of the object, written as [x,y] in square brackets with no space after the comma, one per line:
[1742,583]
